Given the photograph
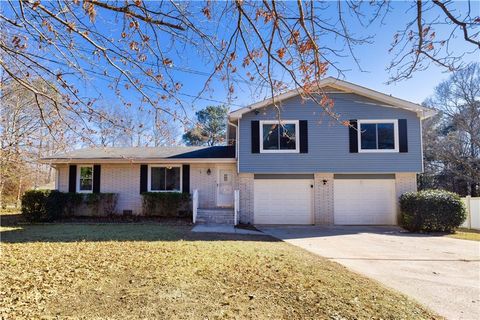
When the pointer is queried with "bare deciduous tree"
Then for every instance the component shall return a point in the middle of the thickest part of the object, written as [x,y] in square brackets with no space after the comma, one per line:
[452,139]
[266,44]
[24,138]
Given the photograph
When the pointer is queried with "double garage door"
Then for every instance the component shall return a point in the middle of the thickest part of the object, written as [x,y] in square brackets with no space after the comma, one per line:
[356,201]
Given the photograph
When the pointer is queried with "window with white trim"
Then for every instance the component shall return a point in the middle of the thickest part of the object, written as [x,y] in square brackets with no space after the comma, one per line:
[378,135]
[278,136]
[164,178]
[85,179]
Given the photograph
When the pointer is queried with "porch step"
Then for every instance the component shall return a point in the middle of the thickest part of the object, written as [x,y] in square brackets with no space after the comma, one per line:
[215,216]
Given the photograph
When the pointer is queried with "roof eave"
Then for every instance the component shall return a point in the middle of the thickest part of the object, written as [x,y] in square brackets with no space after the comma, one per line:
[134,160]
[421,111]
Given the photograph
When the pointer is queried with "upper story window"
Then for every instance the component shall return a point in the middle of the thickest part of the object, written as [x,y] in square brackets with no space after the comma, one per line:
[278,136]
[85,178]
[378,135]
[164,178]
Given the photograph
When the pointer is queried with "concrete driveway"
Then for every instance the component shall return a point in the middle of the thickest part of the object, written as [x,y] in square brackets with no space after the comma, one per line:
[441,273]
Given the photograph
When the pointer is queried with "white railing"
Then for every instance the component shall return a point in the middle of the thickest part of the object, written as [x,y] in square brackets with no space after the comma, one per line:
[473,212]
[195,204]
[236,206]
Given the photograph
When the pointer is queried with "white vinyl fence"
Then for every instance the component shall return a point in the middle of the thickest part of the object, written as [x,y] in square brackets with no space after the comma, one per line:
[473,213]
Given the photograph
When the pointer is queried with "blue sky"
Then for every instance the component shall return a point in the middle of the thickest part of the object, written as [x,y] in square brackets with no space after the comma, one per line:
[375,58]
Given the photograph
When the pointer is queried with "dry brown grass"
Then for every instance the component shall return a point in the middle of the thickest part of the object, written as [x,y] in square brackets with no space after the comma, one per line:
[152,271]
[466,234]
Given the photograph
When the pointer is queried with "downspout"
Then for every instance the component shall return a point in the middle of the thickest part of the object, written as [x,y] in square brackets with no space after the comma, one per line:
[236,141]
[57,178]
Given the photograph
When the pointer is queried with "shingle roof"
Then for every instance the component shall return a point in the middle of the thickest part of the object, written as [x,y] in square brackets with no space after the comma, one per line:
[136,153]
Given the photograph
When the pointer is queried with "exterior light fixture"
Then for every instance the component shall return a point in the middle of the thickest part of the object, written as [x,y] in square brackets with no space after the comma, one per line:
[324,181]
[209,172]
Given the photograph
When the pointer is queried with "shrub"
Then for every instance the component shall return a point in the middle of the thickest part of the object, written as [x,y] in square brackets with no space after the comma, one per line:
[166,204]
[72,202]
[43,205]
[431,210]
[96,205]
[46,205]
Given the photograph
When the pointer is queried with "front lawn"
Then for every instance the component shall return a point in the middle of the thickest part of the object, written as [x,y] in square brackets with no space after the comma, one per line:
[466,234]
[121,271]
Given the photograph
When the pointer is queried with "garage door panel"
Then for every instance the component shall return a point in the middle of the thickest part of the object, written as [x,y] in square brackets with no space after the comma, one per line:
[364,201]
[282,201]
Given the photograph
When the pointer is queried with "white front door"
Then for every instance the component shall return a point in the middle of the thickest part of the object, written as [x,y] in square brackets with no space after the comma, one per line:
[225,188]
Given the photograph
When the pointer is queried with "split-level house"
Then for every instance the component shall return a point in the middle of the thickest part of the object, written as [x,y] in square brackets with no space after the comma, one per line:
[307,169]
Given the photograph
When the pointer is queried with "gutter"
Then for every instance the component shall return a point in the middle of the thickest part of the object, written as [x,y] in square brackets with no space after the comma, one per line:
[52,161]
[237,138]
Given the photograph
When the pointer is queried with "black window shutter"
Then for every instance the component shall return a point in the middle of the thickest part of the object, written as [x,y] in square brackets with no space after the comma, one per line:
[402,135]
[72,179]
[186,178]
[255,136]
[303,136]
[352,134]
[96,178]
[143,178]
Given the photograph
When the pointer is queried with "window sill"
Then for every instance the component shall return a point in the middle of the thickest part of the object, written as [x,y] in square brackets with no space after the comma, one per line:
[378,151]
[279,151]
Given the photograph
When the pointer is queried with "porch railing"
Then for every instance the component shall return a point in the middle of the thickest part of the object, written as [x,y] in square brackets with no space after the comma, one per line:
[236,207]
[195,205]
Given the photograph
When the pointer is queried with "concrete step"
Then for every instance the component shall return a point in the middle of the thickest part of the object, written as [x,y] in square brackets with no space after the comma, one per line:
[215,216]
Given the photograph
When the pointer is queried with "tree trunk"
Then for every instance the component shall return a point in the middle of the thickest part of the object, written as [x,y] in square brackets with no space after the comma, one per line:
[1,193]
[19,193]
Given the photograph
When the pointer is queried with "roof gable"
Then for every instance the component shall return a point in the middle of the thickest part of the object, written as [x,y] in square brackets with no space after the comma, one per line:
[331,84]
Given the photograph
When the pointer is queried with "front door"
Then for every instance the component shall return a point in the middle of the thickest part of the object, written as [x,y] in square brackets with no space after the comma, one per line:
[225,188]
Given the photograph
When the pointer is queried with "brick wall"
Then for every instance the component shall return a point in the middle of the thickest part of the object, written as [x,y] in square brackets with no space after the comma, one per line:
[323,199]
[204,183]
[123,179]
[404,182]
[207,184]
[245,185]
[62,178]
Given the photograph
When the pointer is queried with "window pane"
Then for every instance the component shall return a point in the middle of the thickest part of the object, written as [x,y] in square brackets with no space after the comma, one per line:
[157,178]
[287,136]
[270,137]
[368,135]
[386,138]
[173,178]
[86,172]
[85,184]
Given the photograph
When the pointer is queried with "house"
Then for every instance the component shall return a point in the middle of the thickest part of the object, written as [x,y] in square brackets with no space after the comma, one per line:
[310,169]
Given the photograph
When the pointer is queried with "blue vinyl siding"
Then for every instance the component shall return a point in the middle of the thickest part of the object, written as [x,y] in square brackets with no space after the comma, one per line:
[328,141]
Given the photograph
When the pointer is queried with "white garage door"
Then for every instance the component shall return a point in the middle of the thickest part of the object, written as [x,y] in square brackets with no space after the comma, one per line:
[283,201]
[364,201]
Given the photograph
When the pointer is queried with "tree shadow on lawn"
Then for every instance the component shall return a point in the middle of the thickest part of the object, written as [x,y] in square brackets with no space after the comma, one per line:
[91,232]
